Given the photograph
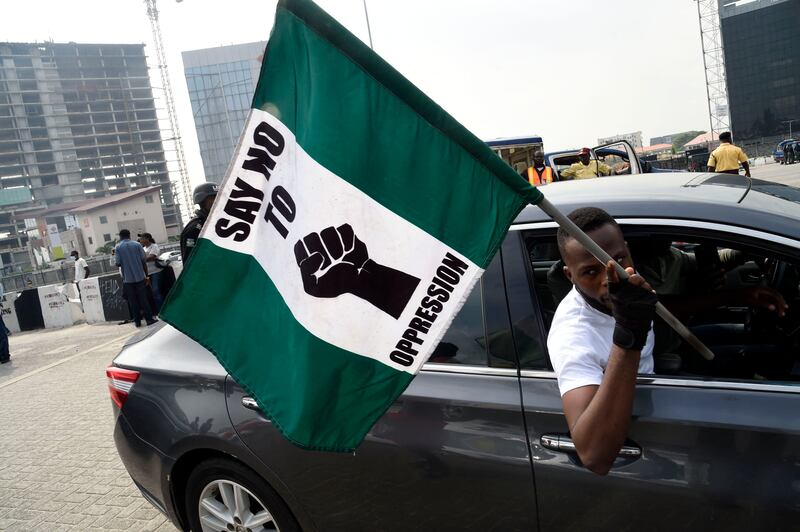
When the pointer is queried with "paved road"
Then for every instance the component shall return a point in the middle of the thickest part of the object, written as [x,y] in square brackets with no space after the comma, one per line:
[59,469]
[788,174]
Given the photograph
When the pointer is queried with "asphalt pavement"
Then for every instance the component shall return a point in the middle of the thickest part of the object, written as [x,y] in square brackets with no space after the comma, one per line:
[788,174]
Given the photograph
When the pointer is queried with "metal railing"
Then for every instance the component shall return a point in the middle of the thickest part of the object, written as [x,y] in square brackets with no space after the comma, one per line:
[65,272]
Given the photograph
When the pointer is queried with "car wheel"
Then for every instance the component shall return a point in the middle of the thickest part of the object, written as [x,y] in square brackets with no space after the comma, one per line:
[224,496]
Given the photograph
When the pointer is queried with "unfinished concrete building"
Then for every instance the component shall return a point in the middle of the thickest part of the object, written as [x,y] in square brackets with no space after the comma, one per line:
[77,121]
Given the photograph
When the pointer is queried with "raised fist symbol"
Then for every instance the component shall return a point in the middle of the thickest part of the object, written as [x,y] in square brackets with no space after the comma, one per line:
[330,261]
[334,262]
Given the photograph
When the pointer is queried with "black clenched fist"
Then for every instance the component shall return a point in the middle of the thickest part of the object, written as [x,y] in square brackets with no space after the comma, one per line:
[330,261]
[334,262]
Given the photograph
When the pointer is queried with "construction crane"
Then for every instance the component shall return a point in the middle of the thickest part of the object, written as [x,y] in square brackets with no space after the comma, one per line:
[714,64]
[158,40]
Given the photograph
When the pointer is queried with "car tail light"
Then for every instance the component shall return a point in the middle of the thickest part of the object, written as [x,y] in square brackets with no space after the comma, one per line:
[120,382]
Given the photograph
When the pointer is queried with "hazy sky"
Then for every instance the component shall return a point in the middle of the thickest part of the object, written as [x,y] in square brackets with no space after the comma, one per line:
[569,70]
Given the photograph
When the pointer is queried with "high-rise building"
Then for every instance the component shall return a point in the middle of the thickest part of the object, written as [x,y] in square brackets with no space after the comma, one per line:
[221,84]
[761,40]
[77,122]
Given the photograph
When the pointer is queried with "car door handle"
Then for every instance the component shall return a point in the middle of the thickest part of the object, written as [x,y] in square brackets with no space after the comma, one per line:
[564,444]
[249,402]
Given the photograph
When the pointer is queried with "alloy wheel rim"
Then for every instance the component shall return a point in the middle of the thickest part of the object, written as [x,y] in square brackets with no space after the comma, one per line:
[226,506]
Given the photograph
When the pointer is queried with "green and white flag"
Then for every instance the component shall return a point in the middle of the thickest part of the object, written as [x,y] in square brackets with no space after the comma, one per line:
[353,221]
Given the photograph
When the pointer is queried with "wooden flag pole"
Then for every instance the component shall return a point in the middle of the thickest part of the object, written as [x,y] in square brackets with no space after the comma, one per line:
[600,254]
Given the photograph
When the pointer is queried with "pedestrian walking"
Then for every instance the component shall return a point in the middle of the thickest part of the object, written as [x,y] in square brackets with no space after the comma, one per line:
[727,157]
[131,259]
[81,270]
[204,196]
[151,252]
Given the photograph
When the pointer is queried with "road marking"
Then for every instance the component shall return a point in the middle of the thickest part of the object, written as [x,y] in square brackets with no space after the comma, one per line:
[61,349]
[67,359]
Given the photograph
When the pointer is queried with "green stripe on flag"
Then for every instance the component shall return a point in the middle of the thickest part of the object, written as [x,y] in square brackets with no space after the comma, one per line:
[332,91]
[319,396]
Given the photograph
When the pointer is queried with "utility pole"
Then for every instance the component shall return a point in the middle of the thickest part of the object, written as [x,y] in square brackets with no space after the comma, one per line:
[790,126]
[714,65]
[185,186]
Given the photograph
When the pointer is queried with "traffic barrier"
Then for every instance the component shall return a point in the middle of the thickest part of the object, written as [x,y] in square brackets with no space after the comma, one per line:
[90,297]
[100,299]
[56,308]
[115,306]
[9,311]
[29,310]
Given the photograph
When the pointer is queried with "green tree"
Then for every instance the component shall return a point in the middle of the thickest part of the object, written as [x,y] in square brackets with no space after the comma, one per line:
[106,248]
[682,138]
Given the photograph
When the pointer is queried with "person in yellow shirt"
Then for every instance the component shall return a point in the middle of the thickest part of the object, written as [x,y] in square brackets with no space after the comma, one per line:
[586,168]
[726,158]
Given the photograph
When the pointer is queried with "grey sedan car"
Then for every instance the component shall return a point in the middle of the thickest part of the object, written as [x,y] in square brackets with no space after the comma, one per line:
[479,440]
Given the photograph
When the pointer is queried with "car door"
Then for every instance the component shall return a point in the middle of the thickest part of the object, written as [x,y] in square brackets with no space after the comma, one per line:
[618,154]
[450,454]
[702,453]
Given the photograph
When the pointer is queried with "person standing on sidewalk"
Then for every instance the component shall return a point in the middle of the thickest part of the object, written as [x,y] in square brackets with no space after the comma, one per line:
[151,251]
[726,158]
[130,257]
[204,195]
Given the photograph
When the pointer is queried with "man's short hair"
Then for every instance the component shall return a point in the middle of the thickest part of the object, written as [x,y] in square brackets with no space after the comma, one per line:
[725,136]
[587,219]
[124,233]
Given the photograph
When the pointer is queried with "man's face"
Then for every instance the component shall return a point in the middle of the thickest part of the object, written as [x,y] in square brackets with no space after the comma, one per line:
[585,271]
[538,159]
[584,158]
[209,202]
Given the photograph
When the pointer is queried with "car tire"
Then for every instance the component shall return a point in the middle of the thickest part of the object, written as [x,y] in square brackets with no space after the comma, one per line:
[234,495]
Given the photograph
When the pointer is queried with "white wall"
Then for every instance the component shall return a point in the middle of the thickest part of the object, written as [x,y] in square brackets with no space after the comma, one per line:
[124,215]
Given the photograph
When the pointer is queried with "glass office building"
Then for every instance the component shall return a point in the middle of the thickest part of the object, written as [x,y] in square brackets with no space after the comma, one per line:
[221,84]
[762,61]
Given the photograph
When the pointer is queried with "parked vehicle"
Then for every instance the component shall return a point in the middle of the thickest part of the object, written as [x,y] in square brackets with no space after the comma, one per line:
[479,440]
[777,155]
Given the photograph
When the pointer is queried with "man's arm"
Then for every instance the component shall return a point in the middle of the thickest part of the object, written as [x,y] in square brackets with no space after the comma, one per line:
[569,172]
[746,167]
[760,297]
[599,416]
[712,162]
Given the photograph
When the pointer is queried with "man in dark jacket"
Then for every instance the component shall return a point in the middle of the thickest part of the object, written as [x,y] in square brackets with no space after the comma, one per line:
[204,196]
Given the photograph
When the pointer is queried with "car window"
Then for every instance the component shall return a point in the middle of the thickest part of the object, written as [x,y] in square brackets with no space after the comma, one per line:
[719,288]
[480,333]
[465,340]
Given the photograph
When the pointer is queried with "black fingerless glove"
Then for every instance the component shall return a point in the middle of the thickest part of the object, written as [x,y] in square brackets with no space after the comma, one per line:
[633,308]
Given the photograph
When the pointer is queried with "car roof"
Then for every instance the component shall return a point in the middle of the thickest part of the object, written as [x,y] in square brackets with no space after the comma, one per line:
[721,198]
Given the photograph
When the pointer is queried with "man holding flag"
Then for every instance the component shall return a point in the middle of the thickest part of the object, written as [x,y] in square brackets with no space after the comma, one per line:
[345,258]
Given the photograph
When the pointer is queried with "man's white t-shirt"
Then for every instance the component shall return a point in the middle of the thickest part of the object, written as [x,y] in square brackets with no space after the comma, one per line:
[80,272]
[152,249]
[580,341]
